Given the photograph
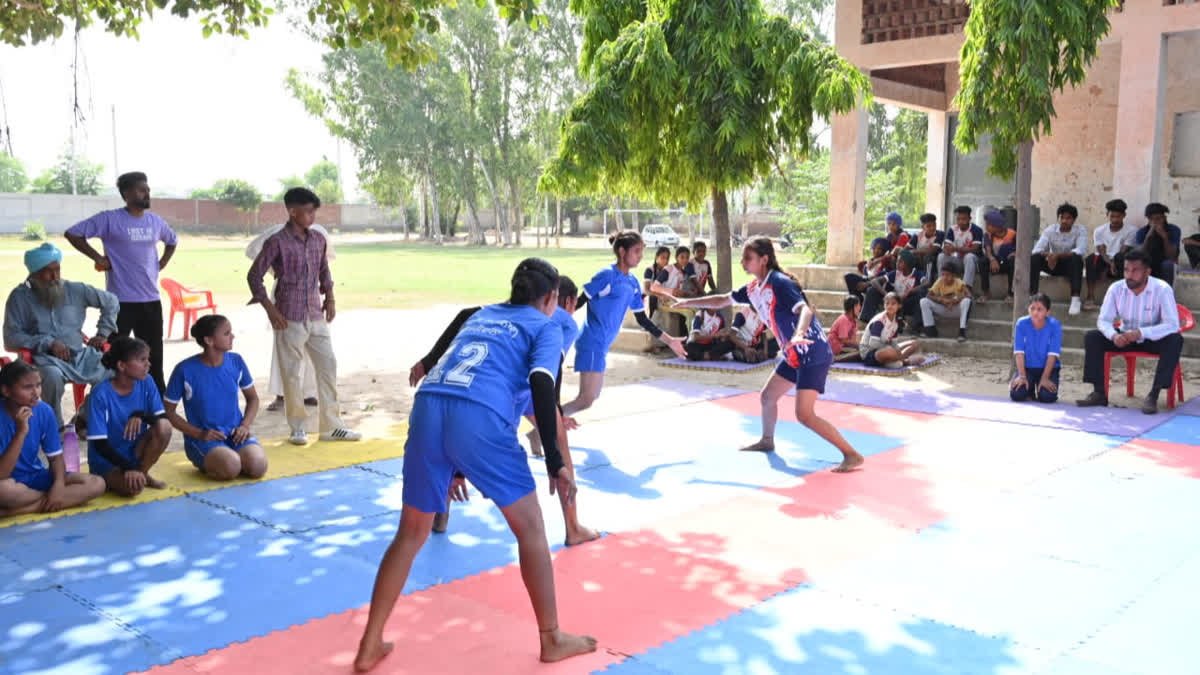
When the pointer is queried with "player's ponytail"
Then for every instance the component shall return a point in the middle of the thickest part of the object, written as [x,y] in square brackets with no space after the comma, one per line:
[625,239]
[763,247]
[532,280]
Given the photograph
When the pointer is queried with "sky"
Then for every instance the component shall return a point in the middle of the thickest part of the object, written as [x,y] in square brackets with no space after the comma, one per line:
[189,110]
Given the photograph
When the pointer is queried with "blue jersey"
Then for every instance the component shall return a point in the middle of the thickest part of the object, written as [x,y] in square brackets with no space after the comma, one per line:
[210,394]
[779,301]
[609,294]
[570,329]
[1038,345]
[108,412]
[43,435]
[494,354]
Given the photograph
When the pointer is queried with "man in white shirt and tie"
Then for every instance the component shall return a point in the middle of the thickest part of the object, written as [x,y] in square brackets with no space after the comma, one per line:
[1139,315]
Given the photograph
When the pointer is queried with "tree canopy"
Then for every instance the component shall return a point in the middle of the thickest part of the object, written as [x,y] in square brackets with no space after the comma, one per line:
[691,98]
[12,174]
[322,179]
[239,193]
[57,179]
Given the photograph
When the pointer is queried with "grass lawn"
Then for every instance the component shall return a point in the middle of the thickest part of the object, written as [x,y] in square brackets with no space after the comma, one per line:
[389,274]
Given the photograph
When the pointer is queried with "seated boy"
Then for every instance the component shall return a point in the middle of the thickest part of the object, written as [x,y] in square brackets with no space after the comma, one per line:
[907,282]
[1112,242]
[879,264]
[999,250]
[703,268]
[927,244]
[948,296]
[843,335]
[709,339]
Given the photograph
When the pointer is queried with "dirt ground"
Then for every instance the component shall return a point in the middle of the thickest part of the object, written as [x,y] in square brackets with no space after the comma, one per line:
[376,348]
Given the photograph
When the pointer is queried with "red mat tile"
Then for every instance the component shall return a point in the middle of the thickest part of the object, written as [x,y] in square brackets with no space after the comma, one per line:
[885,422]
[1156,456]
[434,632]
[630,591]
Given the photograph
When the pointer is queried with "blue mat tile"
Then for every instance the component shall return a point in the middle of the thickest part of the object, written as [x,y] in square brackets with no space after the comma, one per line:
[632,666]
[1182,429]
[50,632]
[300,503]
[391,467]
[804,630]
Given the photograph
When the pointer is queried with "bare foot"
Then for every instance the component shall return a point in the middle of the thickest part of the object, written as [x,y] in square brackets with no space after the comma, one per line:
[763,445]
[915,360]
[152,482]
[535,443]
[369,656]
[581,535]
[557,645]
[850,463]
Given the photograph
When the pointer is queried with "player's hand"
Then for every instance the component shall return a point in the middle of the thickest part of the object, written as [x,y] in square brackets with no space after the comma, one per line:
[1048,385]
[458,489]
[98,341]
[54,499]
[570,423]
[103,264]
[995,266]
[1121,339]
[60,350]
[135,481]
[210,435]
[564,484]
[416,374]
[1019,381]
[240,435]
[676,345]
[330,308]
[133,428]
[24,414]
[277,320]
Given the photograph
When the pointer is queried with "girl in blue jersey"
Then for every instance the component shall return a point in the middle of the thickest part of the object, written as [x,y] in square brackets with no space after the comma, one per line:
[216,433]
[127,428]
[609,294]
[27,425]
[776,296]
[463,420]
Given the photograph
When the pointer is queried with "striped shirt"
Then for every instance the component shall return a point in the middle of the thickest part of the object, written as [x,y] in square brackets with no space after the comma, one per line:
[301,269]
[1153,311]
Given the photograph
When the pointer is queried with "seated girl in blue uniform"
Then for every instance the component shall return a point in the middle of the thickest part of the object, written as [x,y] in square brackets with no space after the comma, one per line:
[612,292]
[567,295]
[777,297]
[216,433]
[127,428]
[500,352]
[1037,345]
[27,426]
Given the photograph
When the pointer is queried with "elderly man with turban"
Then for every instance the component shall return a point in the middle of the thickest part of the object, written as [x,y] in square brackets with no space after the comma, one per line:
[45,315]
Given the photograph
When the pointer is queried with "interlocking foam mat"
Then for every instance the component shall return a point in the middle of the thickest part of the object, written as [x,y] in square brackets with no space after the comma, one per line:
[962,546]
[724,364]
[859,368]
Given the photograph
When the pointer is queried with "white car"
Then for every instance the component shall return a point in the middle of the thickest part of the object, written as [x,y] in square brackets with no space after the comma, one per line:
[659,235]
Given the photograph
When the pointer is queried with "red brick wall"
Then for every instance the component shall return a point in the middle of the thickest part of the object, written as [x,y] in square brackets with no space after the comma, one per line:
[209,215]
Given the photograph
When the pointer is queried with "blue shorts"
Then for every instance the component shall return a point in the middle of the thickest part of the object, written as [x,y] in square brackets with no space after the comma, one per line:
[590,360]
[807,376]
[102,467]
[870,360]
[441,441]
[196,451]
[36,480]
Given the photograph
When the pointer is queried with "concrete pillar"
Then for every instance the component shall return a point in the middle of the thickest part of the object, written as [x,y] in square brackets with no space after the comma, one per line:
[847,187]
[1139,142]
[936,165]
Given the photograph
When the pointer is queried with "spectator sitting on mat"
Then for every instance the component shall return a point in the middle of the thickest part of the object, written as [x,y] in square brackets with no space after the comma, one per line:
[754,342]
[709,339]
[843,335]
[907,282]
[948,296]
[878,265]
[1037,350]
[878,346]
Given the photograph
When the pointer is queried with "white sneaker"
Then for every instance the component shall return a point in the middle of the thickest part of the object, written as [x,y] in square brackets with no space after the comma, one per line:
[341,435]
[1074,306]
[298,437]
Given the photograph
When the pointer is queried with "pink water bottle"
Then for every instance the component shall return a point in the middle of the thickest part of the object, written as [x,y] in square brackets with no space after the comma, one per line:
[70,443]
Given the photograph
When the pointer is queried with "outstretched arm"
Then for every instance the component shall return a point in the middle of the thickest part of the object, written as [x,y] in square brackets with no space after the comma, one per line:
[707,302]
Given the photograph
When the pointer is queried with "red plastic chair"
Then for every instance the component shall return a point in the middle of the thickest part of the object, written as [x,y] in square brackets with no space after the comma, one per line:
[79,389]
[1186,323]
[187,301]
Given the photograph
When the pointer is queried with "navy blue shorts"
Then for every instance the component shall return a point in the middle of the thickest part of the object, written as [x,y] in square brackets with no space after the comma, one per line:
[196,451]
[808,376]
[442,441]
[870,359]
[588,360]
[36,480]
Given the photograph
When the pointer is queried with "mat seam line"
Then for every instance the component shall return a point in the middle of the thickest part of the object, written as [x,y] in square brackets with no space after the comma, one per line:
[173,653]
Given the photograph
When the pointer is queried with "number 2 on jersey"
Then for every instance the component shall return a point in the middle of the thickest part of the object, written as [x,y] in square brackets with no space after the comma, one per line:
[472,354]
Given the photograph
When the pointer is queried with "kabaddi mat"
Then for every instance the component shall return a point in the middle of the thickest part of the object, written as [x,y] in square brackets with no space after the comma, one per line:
[727,365]
[859,368]
[1026,549]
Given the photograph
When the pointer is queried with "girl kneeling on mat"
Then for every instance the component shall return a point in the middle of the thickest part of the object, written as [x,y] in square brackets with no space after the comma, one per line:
[217,436]
[126,424]
[776,296]
[27,426]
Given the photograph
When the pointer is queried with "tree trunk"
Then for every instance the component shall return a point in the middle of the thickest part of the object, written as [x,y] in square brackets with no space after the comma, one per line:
[424,209]
[435,215]
[557,222]
[720,212]
[1025,226]
[404,218]
[514,202]
[497,210]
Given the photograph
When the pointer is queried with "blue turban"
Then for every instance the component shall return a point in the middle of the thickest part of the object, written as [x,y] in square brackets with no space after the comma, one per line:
[995,218]
[896,217]
[37,258]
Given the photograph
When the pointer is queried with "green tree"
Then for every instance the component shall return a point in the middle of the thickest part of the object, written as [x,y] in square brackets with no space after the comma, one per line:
[322,179]
[903,150]
[57,179]
[397,26]
[693,99]
[1018,54]
[239,193]
[12,174]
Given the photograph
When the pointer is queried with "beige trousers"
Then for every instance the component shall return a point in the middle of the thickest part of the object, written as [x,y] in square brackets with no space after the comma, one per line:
[291,344]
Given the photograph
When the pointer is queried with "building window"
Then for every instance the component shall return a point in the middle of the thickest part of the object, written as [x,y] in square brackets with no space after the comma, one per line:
[1185,145]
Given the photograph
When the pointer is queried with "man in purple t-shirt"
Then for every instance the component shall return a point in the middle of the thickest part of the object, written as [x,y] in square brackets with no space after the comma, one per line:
[131,262]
